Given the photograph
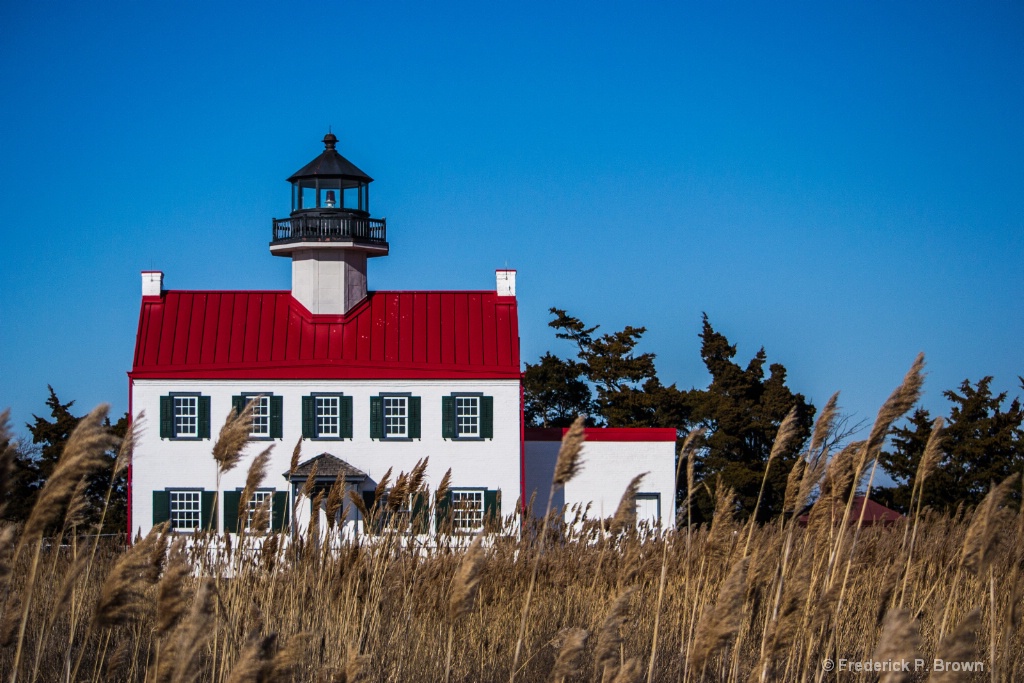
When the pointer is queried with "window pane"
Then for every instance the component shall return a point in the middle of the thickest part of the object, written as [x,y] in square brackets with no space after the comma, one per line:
[328,415]
[185,510]
[467,510]
[259,499]
[396,416]
[186,415]
[467,415]
[260,416]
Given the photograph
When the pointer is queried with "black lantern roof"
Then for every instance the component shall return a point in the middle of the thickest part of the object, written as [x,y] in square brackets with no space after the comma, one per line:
[330,164]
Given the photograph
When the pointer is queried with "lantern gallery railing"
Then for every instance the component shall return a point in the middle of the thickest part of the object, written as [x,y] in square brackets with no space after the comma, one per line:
[325,228]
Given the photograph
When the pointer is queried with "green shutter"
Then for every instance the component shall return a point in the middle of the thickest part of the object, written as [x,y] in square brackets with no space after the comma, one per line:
[238,403]
[209,498]
[276,417]
[204,417]
[166,417]
[448,417]
[280,511]
[231,519]
[376,417]
[308,424]
[420,514]
[487,417]
[414,417]
[161,507]
[345,403]
[369,498]
[492,510]
[441,506]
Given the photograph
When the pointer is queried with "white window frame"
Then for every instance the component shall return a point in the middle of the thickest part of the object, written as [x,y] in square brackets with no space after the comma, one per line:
[467,417]
[467,505]
[184,505]
[258,498]
[319,419]
[395,411]
[186,416]
[260,415]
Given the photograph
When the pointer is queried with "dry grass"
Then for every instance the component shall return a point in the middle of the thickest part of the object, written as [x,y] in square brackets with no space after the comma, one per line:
[725,603]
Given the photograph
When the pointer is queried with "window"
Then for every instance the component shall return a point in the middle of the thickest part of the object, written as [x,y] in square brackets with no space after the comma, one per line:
[260,499]
[467,416]
[276,503]
[327,416]
[395,416]
[186,510]
[467,510]
[260,417]
[267,410]
[648,508]
[184,416]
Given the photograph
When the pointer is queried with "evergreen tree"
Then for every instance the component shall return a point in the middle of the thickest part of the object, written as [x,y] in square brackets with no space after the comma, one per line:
[50,437]
[629,393]
[982,443]
[741,410]
[555,392]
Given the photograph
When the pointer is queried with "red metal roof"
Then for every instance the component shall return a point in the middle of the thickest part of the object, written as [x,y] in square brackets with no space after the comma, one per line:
[604,433]
[269,335]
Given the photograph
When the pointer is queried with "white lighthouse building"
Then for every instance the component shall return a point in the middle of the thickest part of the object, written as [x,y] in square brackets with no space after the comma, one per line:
[367,380]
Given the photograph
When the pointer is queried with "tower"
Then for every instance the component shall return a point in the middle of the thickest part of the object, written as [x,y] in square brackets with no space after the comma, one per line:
[329,234]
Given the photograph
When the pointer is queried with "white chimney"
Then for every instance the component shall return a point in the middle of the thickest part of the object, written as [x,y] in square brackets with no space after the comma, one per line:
[152,283]
[506,282]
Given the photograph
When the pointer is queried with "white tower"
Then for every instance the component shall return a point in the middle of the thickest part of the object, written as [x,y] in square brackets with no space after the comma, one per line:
[329,234]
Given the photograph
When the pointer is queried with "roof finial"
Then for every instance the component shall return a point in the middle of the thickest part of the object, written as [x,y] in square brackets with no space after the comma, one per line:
[330,140]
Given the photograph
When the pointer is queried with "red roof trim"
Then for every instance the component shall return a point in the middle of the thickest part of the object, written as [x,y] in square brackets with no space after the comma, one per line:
[268,334]
[605,433]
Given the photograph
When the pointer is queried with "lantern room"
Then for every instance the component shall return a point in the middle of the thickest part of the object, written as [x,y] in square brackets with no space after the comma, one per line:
[330,183]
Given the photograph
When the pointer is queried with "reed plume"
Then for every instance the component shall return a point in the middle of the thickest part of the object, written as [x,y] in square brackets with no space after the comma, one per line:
[464,590]
[172,600]
[625,515]
[825,422]
[256,662]
[565,664]
[123,596]
[194,632]
[984,530]
[569,463]
[958,646]
[83,455]
[296,454]
[233,437]
[609,637]
[718,627]
[900,641]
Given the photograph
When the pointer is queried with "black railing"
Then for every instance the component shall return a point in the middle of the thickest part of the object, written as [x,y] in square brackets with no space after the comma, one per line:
[326,228]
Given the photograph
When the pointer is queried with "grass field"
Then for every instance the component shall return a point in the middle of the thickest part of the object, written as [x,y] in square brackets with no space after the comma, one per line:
[594,600]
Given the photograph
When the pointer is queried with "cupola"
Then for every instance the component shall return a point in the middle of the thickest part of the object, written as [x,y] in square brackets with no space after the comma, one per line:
[329,234]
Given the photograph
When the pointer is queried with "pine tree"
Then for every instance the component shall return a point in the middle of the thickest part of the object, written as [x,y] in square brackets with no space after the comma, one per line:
[629,393]
[556,392]
[982,443]
[741,410]
[50,436]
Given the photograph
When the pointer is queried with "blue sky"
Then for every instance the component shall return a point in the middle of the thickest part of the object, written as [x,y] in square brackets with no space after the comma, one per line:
[842,183]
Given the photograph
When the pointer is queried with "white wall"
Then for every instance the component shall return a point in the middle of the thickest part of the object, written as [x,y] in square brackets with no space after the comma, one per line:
[161,463]
[607,468]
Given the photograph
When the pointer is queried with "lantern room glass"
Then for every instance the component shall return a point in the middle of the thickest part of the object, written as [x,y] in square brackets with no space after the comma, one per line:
[317,193]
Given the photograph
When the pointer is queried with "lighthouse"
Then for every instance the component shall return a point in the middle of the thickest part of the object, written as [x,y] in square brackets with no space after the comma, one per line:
[329,234]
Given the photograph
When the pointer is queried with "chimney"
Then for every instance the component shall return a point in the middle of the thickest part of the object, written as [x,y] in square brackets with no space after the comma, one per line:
[506,282]
[152,283]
